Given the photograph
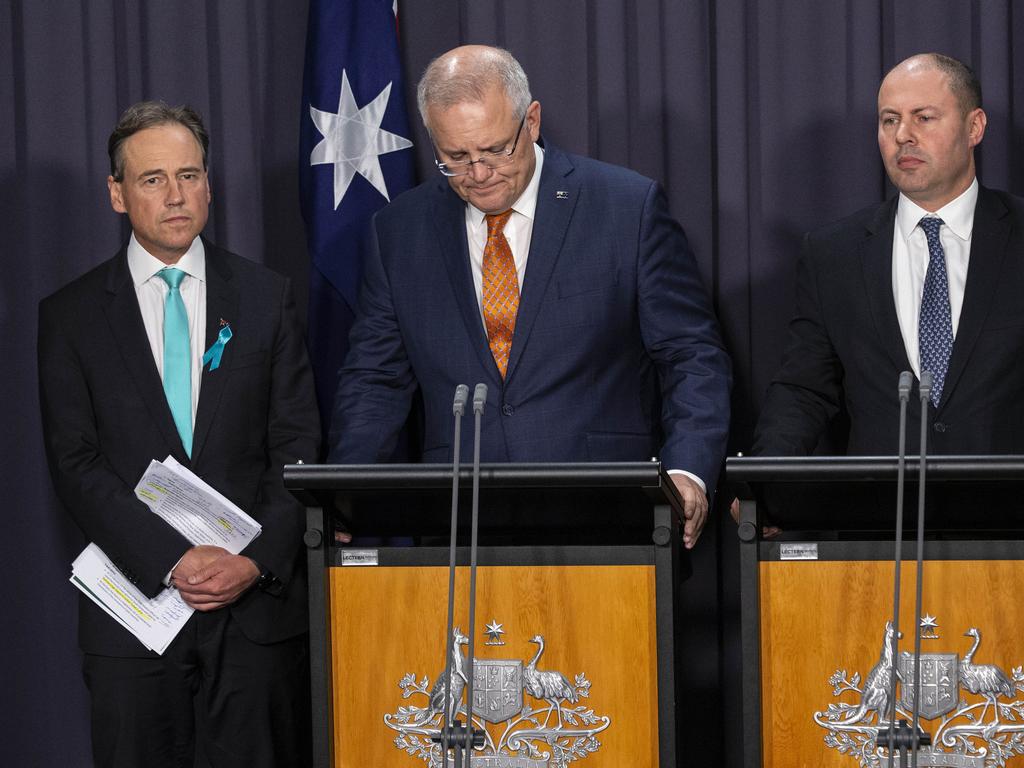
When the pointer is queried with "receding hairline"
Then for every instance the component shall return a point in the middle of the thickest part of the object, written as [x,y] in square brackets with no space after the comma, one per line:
[960,79]
[152,114]
[469,74]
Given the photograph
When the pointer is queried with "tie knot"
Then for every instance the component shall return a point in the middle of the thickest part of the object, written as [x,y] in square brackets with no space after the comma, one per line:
[172,277]
[930,225]
[496,222]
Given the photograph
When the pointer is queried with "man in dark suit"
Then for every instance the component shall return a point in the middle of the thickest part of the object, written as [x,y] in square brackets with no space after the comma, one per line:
[931,280]
[232,688]
[560,282]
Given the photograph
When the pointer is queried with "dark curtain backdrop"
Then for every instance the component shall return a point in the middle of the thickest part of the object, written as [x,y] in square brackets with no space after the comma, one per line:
[757,117]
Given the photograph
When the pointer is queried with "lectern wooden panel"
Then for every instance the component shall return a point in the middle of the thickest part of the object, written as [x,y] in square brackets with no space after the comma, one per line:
[817,607]
[400,631]
[823,618]
[574,643]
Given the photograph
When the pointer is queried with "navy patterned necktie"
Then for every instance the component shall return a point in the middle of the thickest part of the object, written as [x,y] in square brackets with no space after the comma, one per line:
[935,332]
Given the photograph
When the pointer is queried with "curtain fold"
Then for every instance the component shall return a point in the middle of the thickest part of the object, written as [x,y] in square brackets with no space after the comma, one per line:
[759,119]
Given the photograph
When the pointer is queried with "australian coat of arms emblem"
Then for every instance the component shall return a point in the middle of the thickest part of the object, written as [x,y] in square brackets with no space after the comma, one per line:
[984,733]
[535,716]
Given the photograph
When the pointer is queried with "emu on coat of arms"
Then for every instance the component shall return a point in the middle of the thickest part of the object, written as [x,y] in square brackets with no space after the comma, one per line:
[543,724]
[982,734]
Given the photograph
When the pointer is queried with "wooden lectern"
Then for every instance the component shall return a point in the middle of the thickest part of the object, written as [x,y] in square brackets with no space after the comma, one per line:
[816,605]
[576,615]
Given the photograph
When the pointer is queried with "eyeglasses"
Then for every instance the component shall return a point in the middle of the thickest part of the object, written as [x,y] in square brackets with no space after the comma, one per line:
[489,160]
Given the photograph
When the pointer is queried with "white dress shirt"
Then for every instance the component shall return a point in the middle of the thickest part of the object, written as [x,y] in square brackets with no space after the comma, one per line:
[910,262]
[152,293]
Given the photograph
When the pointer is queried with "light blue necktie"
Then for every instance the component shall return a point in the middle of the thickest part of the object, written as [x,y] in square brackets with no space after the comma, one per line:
[935,332]
[177,357]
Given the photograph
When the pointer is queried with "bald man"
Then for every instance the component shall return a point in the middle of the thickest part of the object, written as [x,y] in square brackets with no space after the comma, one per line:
[931,279]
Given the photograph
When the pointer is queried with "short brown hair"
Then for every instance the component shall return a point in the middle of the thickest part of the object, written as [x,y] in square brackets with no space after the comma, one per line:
[148,114]
[962,81]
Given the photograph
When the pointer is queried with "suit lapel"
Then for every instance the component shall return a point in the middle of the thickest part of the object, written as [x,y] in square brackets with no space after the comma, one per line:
[876,257]
[221,304]
[449,215]
[128,330]
[556,201]
[988,251]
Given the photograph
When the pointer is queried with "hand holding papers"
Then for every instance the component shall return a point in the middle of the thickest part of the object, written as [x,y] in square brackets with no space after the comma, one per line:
[196,510]
[200,514]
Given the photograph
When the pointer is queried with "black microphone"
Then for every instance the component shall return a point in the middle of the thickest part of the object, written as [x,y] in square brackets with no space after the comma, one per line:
[450,707]
[903,389]
[472,736]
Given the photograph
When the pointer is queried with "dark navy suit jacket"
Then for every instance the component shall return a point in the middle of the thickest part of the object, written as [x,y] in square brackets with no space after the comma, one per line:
[616,353]
[105,417]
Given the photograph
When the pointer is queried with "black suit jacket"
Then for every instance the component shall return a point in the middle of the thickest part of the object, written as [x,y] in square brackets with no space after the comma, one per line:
[105,417]
[845,350]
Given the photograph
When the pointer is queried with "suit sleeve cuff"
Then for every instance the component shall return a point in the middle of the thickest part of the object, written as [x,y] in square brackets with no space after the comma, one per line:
[692,476]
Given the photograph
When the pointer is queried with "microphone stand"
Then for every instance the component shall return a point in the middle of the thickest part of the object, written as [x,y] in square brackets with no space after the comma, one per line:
[474,738]
[904,737]
[905,382]
[920,739]
[451,707]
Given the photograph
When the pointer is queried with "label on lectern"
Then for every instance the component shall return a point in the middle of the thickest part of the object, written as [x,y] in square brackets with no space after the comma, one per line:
[359,557]
[798,551]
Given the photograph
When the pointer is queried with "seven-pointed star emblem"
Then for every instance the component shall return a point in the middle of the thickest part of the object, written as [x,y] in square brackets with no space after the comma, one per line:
[354,141]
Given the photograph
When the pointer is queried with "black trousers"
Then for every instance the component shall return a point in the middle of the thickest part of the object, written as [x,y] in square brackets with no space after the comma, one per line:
[213,700]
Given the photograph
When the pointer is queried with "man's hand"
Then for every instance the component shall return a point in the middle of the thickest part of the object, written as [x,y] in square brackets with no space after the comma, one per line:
[695,508]
[767,531]
[209,578]
[198,557]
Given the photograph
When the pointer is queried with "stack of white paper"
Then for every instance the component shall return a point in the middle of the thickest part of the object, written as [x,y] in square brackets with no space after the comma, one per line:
[201,515]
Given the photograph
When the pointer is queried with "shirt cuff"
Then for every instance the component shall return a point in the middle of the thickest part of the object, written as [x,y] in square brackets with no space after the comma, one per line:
[692,476]
[167,578]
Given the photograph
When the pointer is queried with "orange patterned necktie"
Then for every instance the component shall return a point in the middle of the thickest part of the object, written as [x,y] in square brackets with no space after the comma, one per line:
[500,290]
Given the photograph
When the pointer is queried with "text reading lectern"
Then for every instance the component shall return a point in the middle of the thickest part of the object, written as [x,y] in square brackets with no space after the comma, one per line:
[576,616]
[817,604]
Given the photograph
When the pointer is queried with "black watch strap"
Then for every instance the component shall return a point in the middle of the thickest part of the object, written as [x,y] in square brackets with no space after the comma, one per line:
[267,581]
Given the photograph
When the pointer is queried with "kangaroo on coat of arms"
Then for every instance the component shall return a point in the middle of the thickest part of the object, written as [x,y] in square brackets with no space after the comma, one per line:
[965,735]
[500,691]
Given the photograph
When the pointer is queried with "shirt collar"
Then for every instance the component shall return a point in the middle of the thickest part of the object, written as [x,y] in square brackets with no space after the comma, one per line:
[957,214]
[143,265]
[527,202]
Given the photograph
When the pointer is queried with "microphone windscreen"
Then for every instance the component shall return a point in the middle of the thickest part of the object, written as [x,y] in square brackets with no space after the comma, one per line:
[479,398]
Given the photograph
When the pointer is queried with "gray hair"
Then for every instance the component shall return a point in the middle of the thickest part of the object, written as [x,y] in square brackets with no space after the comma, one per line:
[149,114]
[459,77]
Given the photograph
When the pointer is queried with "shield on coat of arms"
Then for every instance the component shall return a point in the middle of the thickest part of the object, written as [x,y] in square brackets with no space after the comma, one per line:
[497,689]
[940,683]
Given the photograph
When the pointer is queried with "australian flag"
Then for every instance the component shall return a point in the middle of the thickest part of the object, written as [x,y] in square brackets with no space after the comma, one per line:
[354,156]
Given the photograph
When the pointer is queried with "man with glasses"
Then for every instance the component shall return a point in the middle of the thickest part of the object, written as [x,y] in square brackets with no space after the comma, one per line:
[560,282]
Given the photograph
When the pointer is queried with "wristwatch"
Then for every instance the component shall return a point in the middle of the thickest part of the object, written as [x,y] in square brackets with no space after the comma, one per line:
[267,581]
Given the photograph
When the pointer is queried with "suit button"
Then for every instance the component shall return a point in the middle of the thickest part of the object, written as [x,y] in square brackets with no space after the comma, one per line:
[940,427]
[507,409]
